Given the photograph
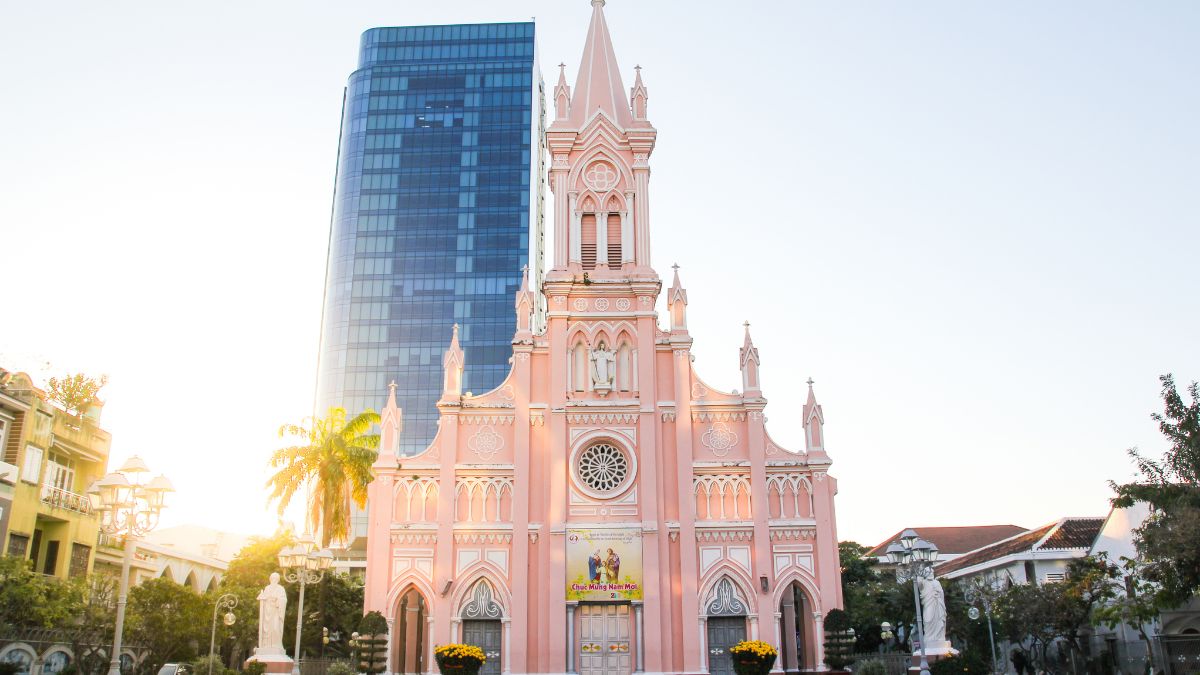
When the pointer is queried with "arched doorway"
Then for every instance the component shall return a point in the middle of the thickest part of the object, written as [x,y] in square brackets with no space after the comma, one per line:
[725,625]
[409,633]
[795,625]
[482,626]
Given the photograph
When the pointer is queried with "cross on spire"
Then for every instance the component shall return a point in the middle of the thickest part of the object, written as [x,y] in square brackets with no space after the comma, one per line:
[810,382]
[392,386]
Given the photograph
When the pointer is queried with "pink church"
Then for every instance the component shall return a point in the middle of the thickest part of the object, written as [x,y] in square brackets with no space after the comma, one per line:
[603,511]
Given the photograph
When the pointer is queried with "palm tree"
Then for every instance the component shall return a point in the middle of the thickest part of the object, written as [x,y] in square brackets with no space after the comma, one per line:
[334,459]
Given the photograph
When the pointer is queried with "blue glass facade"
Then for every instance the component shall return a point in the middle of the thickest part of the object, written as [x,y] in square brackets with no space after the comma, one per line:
[438,205]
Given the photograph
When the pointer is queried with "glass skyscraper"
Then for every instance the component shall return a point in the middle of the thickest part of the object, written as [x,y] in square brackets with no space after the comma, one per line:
[438,205]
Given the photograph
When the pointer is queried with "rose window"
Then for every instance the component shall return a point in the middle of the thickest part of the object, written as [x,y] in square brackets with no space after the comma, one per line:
[600,176]
[603,467]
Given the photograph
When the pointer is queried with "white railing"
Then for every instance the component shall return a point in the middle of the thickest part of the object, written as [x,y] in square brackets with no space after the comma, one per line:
[64,499]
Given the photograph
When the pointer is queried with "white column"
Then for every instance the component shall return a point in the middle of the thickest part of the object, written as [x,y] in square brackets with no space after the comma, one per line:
[391,646]
[627,231]
[753,626]
[704,643]
[430,663]
[602,238]
[505,659]
[576,235]
[456,629]
[571,636]
[819,626]
[641,638]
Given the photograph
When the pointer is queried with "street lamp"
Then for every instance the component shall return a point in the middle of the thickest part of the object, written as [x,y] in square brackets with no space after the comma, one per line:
[302,563]
[225,602]
[130,509]
[980,592]
[914,558]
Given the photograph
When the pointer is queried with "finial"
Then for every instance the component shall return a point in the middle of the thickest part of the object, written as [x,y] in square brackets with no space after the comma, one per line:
[675,267]
[638,67]
[810,383]
[597,3]
[746,324]
[392,386]
[562,66]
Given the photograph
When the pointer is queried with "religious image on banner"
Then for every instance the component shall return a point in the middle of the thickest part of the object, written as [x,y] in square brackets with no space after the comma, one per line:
[604,565]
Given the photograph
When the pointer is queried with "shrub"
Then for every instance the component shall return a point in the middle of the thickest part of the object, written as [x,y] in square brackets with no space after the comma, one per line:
[340,668]
[839,639]
[459,659]
[9,668]
[872,667]
[967,662]
[752,657]
[256,668]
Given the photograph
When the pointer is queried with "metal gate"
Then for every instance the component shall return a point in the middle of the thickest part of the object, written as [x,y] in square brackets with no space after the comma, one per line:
[723,632]
[488,636]
[604,647]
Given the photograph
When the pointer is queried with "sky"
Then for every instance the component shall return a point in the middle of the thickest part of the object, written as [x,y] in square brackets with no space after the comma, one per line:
[973,224]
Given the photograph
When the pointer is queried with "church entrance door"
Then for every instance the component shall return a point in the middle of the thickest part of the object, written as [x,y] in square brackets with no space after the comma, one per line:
[604,646]
[723,633]
[487,636]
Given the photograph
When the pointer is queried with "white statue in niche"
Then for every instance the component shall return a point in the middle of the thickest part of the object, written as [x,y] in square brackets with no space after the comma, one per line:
[603,368]
[272,605]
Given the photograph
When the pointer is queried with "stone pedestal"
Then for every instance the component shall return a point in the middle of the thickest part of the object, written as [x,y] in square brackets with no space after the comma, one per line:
[934,652]
[276,661]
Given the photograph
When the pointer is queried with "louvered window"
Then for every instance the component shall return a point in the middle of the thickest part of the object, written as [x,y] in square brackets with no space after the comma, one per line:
[614,241]
[587,244]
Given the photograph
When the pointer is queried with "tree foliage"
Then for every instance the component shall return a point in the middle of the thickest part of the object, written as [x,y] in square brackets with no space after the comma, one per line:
[1169,540]
[334,457]
[34,600]
[168,619]
[75,393]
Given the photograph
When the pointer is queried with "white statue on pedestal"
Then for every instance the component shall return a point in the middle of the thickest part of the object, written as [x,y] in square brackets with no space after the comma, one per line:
[603,368]
[272,604]
[933,613]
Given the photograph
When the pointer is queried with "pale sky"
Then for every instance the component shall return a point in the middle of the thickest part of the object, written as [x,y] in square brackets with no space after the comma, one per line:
[974,224]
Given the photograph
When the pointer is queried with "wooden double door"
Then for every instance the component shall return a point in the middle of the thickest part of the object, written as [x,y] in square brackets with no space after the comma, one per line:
[723,633]
[604,640]
[488,636]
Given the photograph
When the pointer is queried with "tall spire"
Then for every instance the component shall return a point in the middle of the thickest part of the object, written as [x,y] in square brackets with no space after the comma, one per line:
[598,85]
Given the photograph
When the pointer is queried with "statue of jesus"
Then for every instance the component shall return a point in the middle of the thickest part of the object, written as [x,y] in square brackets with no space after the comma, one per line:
[272,604]
[603,367]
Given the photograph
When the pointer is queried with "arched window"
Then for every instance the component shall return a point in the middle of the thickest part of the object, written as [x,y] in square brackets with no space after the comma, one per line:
[579,366]
[624,367]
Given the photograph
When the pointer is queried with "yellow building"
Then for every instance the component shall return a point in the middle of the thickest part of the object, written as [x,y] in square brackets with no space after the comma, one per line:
[57,456]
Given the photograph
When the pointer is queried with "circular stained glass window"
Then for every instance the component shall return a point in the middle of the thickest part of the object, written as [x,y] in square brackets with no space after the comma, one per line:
[603,467]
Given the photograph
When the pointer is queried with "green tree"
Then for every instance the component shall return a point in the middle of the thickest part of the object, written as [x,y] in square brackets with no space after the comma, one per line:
[372,643]
[1169,540]
[167,619]
[33,600]
[75,393]
[334,458]
[1135,605]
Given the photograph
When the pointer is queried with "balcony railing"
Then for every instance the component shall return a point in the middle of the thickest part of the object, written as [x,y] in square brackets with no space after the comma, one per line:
[63,499]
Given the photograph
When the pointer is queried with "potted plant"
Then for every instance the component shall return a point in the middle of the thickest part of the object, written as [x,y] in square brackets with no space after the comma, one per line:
[752,657]
[458,659]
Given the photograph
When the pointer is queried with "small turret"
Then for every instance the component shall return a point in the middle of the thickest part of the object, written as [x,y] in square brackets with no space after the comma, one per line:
[814,423]
[452,364]
[391,423]
[748,358]
[524,305]
[638,96]
[677,304]
[562,95]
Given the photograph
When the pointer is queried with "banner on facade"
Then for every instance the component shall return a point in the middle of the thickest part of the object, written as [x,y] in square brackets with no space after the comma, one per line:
[604,564]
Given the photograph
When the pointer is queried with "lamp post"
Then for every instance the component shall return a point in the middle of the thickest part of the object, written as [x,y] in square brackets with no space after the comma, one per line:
[914,558]
[302,563]
[978,593]
[226,602]
[128,508]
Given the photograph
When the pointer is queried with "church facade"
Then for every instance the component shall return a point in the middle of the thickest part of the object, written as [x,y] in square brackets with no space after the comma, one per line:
[604,510]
